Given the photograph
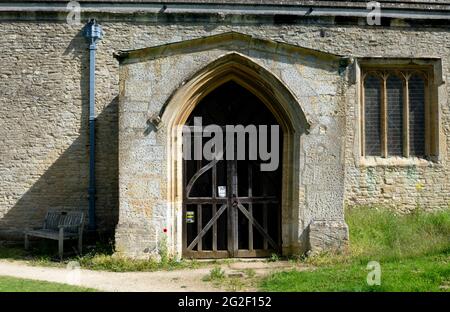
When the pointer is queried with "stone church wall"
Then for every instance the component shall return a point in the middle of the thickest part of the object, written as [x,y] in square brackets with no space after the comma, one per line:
[44,110]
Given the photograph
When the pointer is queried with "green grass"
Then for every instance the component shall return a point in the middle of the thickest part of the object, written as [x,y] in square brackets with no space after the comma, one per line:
[11,252]
[421,274]
[106,262]
[380,234]
[11,284]
[215,274]
[413,251]
[99,258]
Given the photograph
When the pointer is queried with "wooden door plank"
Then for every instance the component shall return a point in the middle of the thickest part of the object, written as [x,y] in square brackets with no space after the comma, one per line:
[198,174]
[258,226]
[214,238]
[265,224]
[199,227]
[265,221]
[230,210]
[207,226]
[250,207]
[234,211]
[214,206]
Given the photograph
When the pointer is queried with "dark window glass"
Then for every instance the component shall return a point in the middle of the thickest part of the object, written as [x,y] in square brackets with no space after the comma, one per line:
[394,89]
[416,116]
[372,116]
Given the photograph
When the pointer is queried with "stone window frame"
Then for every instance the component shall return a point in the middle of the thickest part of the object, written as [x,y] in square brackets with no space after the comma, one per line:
[431,69]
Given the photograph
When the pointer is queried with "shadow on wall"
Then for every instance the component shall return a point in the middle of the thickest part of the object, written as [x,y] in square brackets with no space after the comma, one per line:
[64,184]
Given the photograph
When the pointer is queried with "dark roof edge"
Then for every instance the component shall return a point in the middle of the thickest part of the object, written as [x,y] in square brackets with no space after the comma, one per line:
[409,10]
[399,4]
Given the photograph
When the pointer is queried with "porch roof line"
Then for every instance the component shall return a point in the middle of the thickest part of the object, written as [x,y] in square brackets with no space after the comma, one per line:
[227,39]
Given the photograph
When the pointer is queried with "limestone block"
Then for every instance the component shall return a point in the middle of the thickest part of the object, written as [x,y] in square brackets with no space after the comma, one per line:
[325,203]
[328,236]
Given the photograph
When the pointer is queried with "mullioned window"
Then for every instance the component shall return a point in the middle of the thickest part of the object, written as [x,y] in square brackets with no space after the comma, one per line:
[395,112]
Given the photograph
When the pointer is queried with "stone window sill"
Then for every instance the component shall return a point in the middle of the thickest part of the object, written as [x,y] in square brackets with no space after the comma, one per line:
[374,161]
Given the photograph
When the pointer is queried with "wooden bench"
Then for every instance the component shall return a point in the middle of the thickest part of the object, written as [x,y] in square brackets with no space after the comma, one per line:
[60,226]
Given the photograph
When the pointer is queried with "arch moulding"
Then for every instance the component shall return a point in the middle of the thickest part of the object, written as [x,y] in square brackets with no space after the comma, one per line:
[279,100]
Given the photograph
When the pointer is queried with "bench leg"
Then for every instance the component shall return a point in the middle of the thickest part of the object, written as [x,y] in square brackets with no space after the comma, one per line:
[27,242]
[61,243]
[61,248]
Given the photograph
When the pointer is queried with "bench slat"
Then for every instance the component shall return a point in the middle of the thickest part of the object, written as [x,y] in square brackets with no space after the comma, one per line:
[52,220]
[49,234]
[71,221]
[60,226]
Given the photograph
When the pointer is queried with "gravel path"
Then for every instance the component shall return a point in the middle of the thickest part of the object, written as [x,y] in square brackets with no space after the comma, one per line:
[167,281]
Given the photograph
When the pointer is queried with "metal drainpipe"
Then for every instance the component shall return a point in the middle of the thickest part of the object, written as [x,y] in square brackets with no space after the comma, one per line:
[93,32]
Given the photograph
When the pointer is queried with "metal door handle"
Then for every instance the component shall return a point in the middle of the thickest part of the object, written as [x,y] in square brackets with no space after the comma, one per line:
[235,201]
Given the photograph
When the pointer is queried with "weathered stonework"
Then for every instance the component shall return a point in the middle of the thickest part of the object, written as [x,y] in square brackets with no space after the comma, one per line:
[44,133]
[158,73]
[327,236]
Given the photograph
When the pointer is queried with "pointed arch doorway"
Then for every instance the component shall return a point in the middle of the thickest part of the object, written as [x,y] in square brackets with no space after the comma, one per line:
[155,104]
[285,109]
[232,204]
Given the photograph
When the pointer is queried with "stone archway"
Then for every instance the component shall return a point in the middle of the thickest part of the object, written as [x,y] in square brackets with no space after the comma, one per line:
[277,98]
[161,86]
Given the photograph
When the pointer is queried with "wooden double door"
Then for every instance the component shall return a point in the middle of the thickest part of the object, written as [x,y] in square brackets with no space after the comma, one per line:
[231,208]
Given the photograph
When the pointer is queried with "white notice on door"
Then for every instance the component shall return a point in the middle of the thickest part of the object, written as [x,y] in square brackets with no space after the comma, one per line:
[222,191]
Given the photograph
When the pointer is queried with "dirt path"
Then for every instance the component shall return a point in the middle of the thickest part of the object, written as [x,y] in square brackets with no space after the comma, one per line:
[168,281]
